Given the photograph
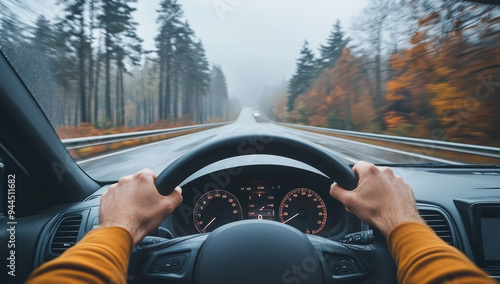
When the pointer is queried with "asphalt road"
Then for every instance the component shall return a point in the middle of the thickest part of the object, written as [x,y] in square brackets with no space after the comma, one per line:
[158,155]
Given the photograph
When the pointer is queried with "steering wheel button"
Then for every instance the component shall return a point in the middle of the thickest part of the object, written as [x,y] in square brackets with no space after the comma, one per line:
[169,264]
[344,266]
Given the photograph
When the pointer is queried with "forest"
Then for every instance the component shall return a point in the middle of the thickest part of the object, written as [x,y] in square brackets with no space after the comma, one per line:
[87,66]
[418,68]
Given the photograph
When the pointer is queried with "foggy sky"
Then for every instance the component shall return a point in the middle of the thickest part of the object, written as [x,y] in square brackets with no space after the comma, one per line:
[256,42]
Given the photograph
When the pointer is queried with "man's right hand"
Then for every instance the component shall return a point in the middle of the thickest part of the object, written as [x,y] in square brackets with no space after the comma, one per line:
[382,199]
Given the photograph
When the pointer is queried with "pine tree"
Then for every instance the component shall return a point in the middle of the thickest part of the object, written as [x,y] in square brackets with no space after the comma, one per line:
[331,52]
[120,43]
[217,99]
[51,44]
[182,57]
[74,24]
[169,20]
[199,75]
[303,77]
[90,73]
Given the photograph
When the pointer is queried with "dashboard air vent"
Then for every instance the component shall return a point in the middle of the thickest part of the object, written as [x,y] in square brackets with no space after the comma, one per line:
[438,222]
[66,234]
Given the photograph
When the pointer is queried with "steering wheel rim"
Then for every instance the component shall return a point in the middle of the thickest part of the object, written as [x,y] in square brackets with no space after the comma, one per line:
[237,244]
[242,145]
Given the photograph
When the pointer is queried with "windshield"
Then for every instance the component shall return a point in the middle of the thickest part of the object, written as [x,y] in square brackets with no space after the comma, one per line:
[363,71]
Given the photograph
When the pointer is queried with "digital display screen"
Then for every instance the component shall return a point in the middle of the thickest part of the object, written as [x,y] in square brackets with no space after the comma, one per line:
[261,202]
[490,228]
[261,206]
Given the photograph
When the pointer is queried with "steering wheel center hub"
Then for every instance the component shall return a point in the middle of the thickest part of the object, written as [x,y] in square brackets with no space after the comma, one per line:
[257,252]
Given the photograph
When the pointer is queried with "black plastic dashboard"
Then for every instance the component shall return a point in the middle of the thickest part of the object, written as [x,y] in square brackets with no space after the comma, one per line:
[458,203]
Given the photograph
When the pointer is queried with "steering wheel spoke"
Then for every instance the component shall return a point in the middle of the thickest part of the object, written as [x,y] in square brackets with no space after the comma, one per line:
[340,264]
[170,261]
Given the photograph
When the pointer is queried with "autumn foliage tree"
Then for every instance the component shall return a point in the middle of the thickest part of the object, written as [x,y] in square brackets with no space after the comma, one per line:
[408,97]
[441,80]
[446,82]
[340,97]
[467,92]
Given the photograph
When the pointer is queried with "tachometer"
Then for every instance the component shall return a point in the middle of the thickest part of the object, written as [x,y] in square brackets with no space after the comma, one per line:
[214,209]
[303,209]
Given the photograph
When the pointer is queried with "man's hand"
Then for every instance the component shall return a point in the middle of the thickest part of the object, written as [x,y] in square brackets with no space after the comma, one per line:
[382,199]
[135,204]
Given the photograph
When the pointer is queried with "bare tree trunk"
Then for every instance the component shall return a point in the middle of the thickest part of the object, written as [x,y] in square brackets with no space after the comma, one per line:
[167,102]
[152,115]
[145,106]
[77,107]
[81,71]
[91,62]
[108,113]
[176,94]
[117,97]
[122,98]
[160,82]
[96,87]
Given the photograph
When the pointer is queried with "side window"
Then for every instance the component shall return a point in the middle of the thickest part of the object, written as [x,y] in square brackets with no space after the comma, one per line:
[18,193]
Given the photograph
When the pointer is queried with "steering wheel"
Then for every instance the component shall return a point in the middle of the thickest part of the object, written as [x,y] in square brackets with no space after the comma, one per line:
[258,251]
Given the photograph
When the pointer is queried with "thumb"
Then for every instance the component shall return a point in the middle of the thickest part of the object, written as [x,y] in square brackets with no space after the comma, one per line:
[173,200]
[342,195]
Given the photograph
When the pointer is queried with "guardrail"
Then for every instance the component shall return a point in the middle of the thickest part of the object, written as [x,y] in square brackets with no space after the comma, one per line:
[83,142]
[485,151]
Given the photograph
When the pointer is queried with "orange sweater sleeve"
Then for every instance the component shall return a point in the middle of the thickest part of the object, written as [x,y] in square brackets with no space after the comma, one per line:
[422,257]
[102,256]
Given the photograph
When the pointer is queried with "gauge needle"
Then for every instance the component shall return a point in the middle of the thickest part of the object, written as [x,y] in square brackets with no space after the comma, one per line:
[262,208]
[209,224]
[290,218]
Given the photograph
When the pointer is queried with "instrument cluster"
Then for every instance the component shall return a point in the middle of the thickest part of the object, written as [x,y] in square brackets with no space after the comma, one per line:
[301,208]
[291,196]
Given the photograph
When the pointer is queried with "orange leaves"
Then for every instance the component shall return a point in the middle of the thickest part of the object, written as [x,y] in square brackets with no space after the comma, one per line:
[407,94]
[340,97]
[393,120]
[432,19]
[436,81]
[329,100]
[394,90]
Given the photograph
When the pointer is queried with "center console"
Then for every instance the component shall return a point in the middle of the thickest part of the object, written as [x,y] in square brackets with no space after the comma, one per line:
[482,222]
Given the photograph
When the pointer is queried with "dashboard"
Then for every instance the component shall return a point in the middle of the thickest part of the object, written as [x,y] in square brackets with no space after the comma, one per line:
[462,205]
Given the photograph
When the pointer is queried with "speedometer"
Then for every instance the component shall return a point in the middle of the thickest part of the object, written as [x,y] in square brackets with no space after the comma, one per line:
[214,209]
[303,209]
